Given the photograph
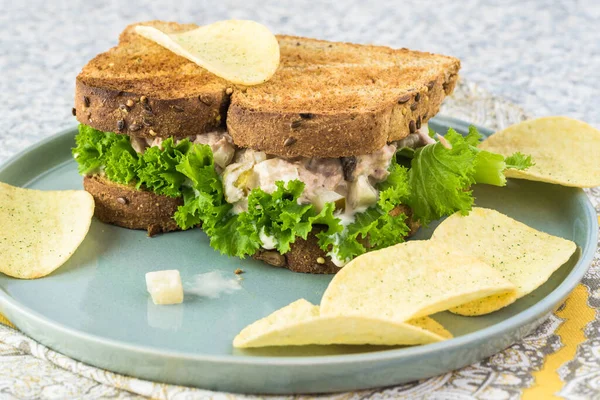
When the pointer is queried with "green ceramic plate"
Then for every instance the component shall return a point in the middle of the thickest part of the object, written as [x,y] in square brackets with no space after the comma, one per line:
[96,309]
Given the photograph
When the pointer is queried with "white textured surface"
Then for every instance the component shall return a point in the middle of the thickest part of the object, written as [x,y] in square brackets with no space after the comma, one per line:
[543,55]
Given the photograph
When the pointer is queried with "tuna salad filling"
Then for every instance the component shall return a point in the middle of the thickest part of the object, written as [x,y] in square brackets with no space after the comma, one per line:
[349,182]
[248,201]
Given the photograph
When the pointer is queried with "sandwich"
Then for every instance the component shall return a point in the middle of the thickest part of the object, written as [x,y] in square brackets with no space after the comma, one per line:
[330,158]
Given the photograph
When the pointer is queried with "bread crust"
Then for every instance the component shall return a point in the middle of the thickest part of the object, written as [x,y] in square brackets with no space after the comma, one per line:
[108,110]
[139,209]
[335,135]
[128,207]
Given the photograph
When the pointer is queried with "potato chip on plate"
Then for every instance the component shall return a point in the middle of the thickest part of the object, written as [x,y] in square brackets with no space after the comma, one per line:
[41,229]
[411,280]
[300,323]
[240,51]
[565,151]
[523,255]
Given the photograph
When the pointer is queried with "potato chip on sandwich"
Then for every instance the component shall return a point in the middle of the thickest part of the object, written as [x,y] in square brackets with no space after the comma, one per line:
[240,51]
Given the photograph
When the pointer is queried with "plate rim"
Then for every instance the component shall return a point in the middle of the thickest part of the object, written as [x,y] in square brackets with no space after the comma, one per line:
[542,307]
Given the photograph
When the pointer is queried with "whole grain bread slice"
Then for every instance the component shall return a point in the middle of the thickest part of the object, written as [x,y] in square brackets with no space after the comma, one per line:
[327,99]
[141,89]
[125,206]
[332,99]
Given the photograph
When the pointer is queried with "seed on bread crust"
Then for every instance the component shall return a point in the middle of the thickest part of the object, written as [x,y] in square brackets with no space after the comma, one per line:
[430,85]
[448,82]
[404,99]
[144,100]
[228,91]
[271,257]
[296,124]
[417,97]
[74,111]
[177,108]
[130,103]
[122,200]
[306,115]
[120,125]
[418,122]
[147,107]
[412,127]
[289,141]
[153,229]
[135,127]
[123,107]
[205,99]
[86,101]
[152,133]
[413,106]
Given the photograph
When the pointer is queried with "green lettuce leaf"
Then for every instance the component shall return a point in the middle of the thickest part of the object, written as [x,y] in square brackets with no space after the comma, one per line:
[440,178]
[518,161]
[277,215]
[490,167]
[379,226]
[121,163]
[158,167]
[92,148]
[232,238]
[155,170]
[391,227]
[203,192]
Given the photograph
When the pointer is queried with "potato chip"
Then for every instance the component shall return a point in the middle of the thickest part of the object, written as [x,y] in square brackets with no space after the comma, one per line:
[410,280]
[523,255]
[41,229]
[565,151]
[243,52]
[300,324]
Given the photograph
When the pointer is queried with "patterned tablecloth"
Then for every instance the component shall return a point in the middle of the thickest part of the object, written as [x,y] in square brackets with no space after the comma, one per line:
[562,357]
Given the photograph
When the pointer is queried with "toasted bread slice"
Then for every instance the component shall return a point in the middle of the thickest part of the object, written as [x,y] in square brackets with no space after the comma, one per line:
[327,99]
[142,89]
[128,207]
[339,99]
[135,209]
